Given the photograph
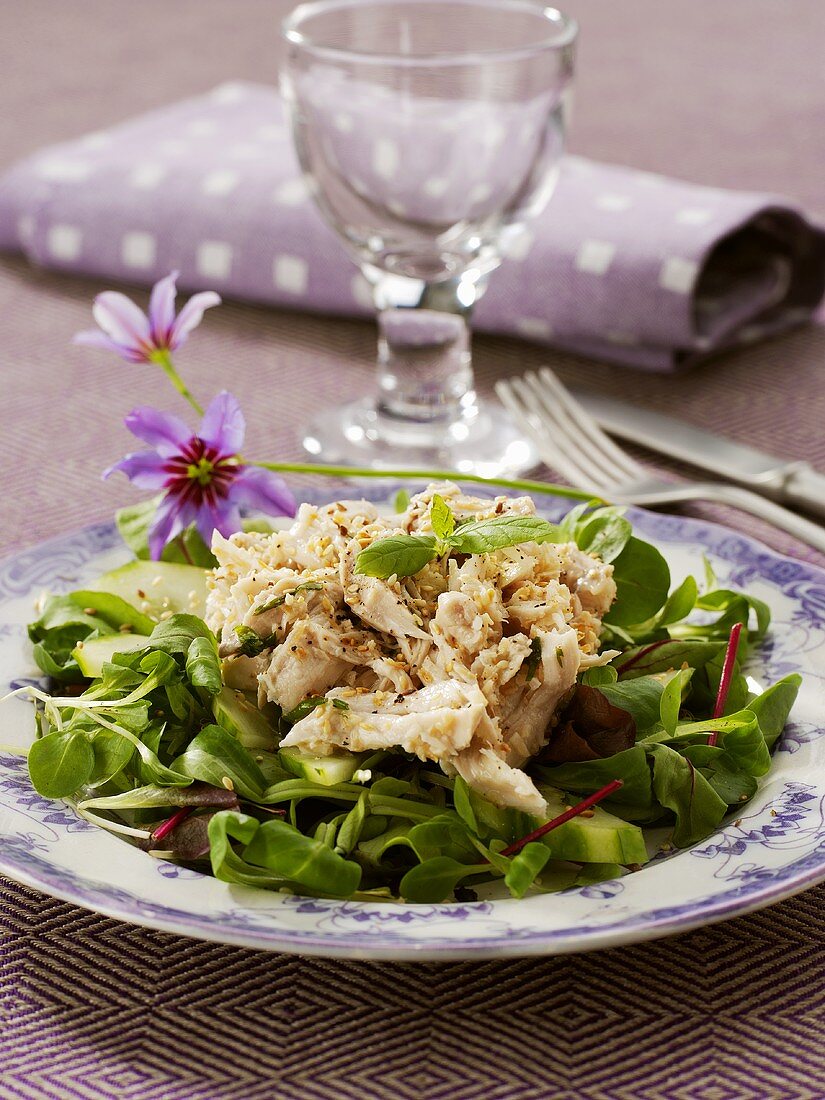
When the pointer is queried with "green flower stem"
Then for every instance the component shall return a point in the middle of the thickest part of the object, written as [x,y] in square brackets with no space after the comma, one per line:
[426,475]
[164,361]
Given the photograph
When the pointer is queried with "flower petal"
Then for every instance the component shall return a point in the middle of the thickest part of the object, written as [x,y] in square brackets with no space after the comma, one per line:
[191,315]
[121,319]
[94,338]
[171,518]
[222,516]
[163,431]
[223,425]
[255,487]
[162,309]
[146,469]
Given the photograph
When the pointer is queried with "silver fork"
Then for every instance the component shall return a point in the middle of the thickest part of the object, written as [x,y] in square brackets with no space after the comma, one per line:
[570,441]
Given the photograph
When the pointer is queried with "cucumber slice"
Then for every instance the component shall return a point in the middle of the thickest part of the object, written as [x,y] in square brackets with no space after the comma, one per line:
[240,717]
[157,586]
[340,767]
[93,654]
[602,838]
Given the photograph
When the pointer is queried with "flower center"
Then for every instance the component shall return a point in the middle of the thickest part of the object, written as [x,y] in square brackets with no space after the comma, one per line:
[200,473]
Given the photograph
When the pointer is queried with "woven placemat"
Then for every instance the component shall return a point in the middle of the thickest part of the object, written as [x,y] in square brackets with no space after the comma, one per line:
[96,1009]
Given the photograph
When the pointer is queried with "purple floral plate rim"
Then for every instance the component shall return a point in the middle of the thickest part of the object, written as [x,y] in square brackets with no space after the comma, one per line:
[339,933]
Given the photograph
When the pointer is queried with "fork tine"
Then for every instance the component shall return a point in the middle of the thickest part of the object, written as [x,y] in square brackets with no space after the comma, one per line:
[621,460]
[560,438]
[567,436]
[524,415]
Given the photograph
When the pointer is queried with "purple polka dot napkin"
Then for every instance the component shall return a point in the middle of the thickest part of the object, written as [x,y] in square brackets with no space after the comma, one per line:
[621,265]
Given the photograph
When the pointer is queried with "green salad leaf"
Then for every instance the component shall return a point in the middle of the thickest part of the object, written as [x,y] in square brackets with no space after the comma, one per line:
[642,579]
[282,849]
[436,878]
[133,523]
[60,763]
[680,787]
[216,757]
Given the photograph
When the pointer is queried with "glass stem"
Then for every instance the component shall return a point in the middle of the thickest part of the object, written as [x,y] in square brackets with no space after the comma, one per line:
[425,370]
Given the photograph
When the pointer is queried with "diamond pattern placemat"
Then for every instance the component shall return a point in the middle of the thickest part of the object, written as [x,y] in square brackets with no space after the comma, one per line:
[96,1009]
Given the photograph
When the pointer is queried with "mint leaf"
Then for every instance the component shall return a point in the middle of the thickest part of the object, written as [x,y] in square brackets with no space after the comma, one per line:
[401,501]
[441,518]
[396,555]
[405,555]
[486,535]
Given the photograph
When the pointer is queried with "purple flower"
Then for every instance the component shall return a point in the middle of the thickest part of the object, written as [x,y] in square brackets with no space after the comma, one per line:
[205,481]
[138,338]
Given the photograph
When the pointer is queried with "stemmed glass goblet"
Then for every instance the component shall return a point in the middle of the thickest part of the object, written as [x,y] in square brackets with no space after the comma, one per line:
[429,132]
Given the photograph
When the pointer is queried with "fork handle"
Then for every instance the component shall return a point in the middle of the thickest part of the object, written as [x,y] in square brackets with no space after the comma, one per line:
[760,506]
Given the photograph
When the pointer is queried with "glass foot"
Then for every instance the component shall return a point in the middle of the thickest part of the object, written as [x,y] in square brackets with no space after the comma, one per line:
[482,440]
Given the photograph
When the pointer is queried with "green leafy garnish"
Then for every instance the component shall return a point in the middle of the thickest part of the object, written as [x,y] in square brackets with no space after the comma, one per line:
[277,601]
[250,644]
[401,501]
[442,520]
[406,555]
[531,665]
[307,706]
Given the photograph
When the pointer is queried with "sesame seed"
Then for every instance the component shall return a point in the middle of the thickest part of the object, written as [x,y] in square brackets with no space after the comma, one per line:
[227,782]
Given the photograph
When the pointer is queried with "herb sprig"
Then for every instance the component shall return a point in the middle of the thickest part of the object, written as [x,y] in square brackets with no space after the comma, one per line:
[405,555]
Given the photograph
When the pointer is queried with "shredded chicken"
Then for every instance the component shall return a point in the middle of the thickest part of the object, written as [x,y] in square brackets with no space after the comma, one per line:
[467,663]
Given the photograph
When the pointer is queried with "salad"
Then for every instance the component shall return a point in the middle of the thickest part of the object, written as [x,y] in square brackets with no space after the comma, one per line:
[419,704]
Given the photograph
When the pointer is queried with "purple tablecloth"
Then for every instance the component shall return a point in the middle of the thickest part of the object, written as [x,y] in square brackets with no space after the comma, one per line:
[730,94]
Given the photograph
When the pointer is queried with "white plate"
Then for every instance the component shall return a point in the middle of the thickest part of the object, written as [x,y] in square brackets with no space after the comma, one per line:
[775,848]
